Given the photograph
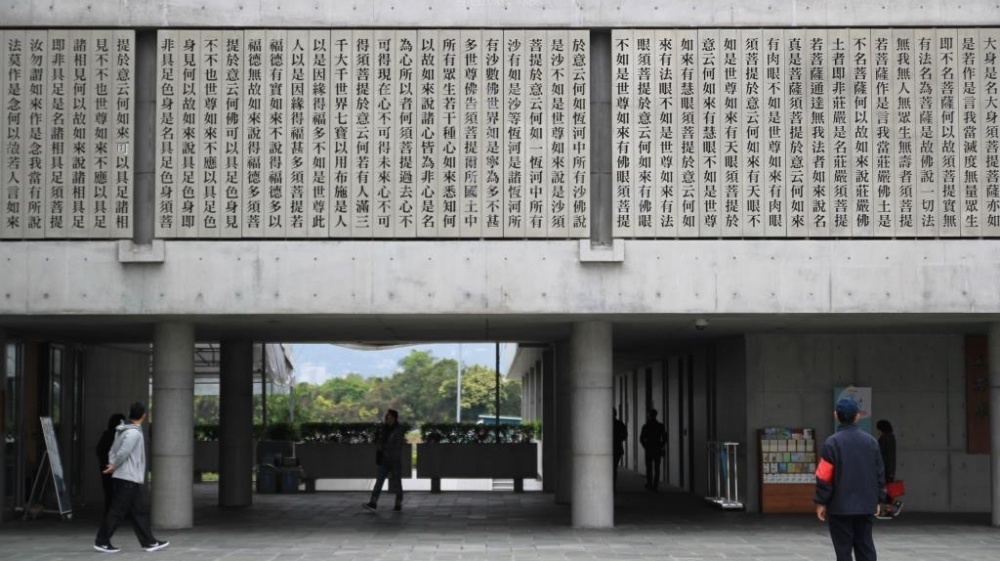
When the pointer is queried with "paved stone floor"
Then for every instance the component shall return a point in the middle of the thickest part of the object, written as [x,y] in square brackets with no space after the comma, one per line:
[494,526]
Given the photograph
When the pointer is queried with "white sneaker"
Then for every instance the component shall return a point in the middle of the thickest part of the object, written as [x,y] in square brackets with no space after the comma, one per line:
[156,546]
[106,548]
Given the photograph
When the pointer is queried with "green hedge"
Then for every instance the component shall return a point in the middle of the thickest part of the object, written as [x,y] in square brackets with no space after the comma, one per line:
[468,433]
[344,433]
[366,433]
[275,431]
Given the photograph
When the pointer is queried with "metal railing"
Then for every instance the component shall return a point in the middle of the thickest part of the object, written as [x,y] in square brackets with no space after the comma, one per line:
[723,475]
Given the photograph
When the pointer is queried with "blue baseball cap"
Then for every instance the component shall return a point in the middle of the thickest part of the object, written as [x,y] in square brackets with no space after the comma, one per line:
[847,407]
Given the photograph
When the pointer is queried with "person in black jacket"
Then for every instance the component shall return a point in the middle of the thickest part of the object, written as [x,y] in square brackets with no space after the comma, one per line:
[389,458]
[653,438]
[887,446]
[850,484]
[620,435]
[103,449]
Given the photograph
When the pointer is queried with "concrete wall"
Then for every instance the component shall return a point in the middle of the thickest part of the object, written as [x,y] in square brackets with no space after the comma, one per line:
[115,377]
[504,277]
[731,399]
[917,384]
[673,466]
[495,13]
[699,477]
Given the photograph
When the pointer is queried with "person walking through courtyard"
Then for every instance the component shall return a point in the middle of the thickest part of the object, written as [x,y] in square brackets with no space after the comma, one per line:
[620,436]
[894,489]
[389,458]
[653,438]
[103,449]
[850,482]
[127,467]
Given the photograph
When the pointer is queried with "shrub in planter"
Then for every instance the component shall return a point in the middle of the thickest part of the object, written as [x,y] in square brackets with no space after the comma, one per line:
[469,433]
[206,433]
[281,431]
[343,433]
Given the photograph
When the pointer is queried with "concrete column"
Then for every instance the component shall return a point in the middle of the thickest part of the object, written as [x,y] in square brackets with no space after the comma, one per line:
[3,396]
[144,201]
[537,394]
[591,366]
[564,448]
[548,422]
[601,130]
[236,424]
[526,397]
[994,364]
[173,425]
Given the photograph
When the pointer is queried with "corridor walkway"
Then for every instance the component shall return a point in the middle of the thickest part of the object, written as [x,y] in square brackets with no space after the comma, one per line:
[466,526]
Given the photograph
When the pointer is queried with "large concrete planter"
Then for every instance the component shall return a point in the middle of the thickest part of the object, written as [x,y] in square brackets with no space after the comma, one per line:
[327,460]
[477,461]
[206,456]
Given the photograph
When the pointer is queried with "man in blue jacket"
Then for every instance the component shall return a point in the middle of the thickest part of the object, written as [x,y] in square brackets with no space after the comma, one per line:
[127,466]
[850,481]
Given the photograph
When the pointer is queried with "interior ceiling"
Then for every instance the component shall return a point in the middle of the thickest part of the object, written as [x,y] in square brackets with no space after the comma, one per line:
[631,331]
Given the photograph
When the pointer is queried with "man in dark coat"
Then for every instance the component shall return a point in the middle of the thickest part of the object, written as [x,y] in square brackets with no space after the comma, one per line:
[389,457]
[850,484]
[620,435]
[653,438]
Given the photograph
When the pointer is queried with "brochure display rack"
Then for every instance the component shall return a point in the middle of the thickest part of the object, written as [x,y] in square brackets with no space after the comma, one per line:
[787,467]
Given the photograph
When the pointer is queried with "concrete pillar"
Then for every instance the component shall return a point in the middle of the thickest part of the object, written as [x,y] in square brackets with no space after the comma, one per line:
[526,395]
[236,424]
[994,364]
[564,448]
[3,397]
[144,206]
[591,366]
[602,130]
[548,422]
[526,398]
[538,390]
[173,425]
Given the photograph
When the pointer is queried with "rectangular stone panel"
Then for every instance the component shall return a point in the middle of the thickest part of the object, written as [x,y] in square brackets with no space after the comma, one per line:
[428,139]
[514,133]
[578,160]
[231,145]
[122,158]
[297,151]
[14,55]
[57,131]
[493,128]
[342,143]
[665,133]
[990,117]
[35,161]
[189,135]
[167,133]
[254,133]
[209,94]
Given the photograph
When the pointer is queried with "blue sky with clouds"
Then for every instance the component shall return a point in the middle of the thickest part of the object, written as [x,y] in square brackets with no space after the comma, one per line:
[317,363]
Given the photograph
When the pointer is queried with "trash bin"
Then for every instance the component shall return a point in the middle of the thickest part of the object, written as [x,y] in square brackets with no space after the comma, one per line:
[289,479]
[267,479]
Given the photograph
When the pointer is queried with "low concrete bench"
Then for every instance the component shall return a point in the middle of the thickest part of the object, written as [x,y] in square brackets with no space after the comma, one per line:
[322,460]
[477,461]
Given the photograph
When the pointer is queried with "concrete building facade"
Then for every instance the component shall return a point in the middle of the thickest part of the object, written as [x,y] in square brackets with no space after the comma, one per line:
[724,333]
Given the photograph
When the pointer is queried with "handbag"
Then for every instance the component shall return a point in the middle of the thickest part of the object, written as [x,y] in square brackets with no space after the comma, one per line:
[895,489]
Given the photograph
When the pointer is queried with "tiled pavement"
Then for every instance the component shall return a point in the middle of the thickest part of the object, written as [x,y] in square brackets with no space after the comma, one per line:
[494,526]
